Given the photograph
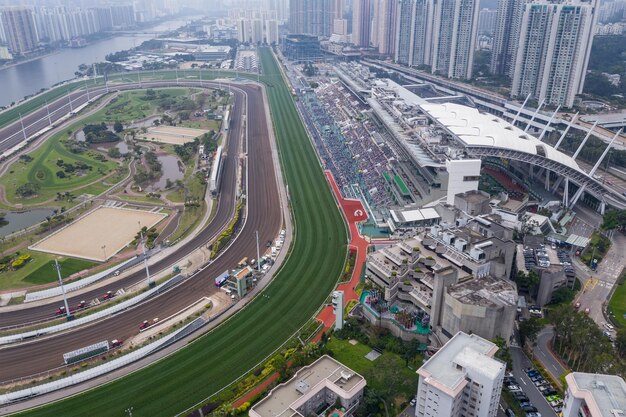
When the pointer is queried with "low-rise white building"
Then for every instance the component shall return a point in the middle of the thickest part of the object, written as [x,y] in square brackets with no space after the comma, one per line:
[314,388]
[461,379]
[594,395]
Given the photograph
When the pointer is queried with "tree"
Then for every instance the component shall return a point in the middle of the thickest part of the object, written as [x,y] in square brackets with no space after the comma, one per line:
[503,353]
[614,219]
[114,152]
[150,94]
[527,282]
[563,295]
[528,330]
[118,127]
[27,190]
[528,226]
[620,342]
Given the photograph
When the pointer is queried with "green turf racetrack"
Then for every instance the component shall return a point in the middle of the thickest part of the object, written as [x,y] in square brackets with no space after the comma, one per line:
[310,273]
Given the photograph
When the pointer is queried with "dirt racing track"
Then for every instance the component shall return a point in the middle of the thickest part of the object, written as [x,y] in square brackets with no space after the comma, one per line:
[102,233]
[264,214]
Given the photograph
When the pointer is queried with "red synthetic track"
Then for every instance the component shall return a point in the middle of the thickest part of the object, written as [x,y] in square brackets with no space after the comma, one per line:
[354,213]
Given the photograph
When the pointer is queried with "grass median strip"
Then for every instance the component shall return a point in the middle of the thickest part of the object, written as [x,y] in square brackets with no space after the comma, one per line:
[213,361]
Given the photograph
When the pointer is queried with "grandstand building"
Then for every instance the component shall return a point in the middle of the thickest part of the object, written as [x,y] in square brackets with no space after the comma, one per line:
[437,140]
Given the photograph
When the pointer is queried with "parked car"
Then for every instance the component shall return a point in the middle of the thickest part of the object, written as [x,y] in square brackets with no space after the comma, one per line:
[108,295]
[82,304]
[530,409]
[116,343]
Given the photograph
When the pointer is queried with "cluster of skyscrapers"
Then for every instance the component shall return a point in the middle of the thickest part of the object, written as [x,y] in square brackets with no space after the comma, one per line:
[541,46]
[256,26]
[23,28]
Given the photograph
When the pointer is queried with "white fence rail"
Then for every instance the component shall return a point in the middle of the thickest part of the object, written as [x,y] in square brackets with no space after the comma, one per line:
[76,285]
[100,369]
[92,317]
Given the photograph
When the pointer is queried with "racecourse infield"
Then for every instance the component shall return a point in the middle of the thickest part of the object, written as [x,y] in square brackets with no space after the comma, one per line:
[100,234]
[316,260]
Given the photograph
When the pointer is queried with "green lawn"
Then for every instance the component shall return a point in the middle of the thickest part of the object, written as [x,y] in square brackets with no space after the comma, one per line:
[47,272]
[43,168]
[617,303]
[15,279]
[188,376]
[130,106]
[388,373]
[40,270]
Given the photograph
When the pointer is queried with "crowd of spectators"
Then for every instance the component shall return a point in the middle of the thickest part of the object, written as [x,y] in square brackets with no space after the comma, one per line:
[344,138]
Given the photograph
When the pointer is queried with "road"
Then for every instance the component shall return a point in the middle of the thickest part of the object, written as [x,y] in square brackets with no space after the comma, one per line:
[27,313]
[597,285]
[544,354]
[264,215]
[521,362]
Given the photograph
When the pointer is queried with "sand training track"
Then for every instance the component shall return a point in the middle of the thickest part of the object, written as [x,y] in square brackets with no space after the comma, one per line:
[172,134]
[99,234]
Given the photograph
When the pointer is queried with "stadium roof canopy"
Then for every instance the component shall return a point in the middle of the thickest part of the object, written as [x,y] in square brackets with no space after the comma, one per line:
[476,129]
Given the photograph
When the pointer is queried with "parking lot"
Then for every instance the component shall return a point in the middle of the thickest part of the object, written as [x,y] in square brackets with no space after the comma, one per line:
[534,394]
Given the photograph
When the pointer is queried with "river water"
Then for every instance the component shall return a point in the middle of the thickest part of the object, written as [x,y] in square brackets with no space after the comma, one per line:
[30,77]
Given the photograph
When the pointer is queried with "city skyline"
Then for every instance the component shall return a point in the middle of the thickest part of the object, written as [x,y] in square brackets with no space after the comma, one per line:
[341,208]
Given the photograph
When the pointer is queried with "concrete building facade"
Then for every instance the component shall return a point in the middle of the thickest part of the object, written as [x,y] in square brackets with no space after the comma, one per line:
[555,41]
[454,37]
[461,379]
[483,306]
[506,37]
[361,22]
[20,30]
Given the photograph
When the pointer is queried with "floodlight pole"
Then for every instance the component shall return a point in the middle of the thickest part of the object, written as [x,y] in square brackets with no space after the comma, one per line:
[48,111]
[87,88]
[145,257]
[67,307]
[258,254]
[23,129]
[69,97]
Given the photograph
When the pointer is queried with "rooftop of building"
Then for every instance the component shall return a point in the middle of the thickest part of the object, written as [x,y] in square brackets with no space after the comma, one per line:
[486,291]
[466,351]
[475,128]
[605,395]
[325,372]
[474,196]
[413,215]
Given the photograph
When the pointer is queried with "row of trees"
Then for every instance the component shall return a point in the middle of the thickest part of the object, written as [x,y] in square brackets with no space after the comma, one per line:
[614,219]
[580,342]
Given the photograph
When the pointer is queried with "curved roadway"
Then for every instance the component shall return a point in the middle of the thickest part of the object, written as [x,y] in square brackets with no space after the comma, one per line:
[264,215]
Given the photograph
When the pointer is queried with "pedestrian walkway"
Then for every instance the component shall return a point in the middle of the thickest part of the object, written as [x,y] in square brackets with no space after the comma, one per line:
[354,213]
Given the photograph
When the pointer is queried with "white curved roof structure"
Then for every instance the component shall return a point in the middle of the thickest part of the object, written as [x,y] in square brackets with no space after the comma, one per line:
[476,129]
